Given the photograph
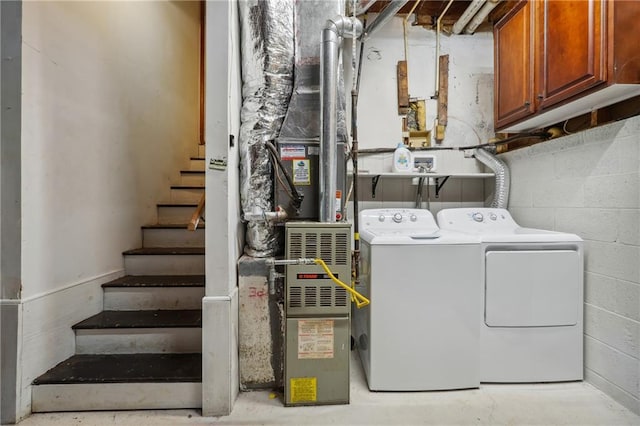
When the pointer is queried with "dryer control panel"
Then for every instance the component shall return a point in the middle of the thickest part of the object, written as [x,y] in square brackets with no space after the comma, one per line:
[476,219]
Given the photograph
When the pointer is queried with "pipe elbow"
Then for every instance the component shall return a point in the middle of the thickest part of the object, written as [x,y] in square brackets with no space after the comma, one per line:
[344,26]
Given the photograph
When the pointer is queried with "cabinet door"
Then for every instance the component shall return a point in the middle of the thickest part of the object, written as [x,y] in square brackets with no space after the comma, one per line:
[514,75]
[570,41]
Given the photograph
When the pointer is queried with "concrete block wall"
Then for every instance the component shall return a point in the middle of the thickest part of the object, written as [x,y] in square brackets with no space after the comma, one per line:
[588,183]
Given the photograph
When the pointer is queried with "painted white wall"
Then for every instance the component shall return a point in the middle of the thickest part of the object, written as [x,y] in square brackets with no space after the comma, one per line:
[589,184]
[470,110]
[109,114]
[224,232]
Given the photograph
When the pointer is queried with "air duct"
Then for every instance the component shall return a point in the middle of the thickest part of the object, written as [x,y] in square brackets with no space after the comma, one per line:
[387,13]
[332,35]
[267,81]
[503,179]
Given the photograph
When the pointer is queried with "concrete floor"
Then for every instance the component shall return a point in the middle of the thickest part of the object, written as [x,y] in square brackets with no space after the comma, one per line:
[547,404]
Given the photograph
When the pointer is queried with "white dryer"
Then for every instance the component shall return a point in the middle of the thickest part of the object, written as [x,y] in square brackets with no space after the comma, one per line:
[532,321]
[421,330]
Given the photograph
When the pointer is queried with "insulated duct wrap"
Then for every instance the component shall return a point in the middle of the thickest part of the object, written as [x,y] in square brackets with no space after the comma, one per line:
[267,79]
[503,179]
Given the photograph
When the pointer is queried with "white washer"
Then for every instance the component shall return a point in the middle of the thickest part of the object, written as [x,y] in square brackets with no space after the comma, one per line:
[421,331]
[532,323]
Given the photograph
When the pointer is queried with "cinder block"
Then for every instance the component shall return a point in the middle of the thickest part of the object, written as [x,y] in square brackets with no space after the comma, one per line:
[615,191]
[542,218]
[616,367]
[472,190]
[629,227]
[559,193]
[521,192]
[590,224]
[613,260]
[600,291]
[618,332]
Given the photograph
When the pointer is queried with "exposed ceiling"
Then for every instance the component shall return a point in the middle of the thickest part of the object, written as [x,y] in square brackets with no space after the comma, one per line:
[429,10]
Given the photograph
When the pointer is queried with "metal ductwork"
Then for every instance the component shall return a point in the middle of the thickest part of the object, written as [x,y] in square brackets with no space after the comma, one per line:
[332,35]
[387,13]
[267,81]
[503,178]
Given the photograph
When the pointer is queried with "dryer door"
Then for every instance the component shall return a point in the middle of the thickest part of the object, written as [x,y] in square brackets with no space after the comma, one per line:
[532,288]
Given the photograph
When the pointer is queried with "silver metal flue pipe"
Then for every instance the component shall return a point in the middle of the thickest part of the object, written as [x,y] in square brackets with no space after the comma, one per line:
[332,35]
[387,13]
[503,177]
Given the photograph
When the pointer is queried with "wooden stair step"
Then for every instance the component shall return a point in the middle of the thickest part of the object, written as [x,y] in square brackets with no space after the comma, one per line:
[142,319]
[171,225]
[125,368]
[157,281]
[165,251]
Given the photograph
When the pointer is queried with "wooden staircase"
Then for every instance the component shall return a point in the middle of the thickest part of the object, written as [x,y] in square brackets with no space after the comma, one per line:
[143,351]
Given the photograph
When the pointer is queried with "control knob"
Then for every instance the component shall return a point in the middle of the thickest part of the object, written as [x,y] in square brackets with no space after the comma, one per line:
[397,218]
[478,217]
[493,216]
[381,218]
[413,217]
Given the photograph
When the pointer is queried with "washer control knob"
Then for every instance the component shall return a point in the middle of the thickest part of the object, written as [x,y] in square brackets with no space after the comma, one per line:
[478,217]
[413,218]
[381,218]
[493,216]
[397,218]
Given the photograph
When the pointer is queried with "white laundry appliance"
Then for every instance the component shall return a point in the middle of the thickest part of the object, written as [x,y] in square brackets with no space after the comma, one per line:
[421,330]
[531,325]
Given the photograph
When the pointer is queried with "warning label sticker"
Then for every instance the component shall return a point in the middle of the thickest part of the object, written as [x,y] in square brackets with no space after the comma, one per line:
[304,389]
[301,172]
[292,152]
[315,339]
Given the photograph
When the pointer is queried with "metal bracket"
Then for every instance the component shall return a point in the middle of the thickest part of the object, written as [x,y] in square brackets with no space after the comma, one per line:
[374,184]
[218,163]
[439,185]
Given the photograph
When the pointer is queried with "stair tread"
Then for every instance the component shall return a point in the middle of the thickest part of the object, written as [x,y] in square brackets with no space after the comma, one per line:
[192,172]
[170,204]
[171,226]
[187,186]
[142,319]
[197,158]
[165,251]
[157,281]
[125,368]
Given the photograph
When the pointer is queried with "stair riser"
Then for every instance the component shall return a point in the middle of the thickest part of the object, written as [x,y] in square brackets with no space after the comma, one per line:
[174,215]
[139,340]
[192,179]
[115,396]
[196,165]
[152,298]
[164,264]
[153,237]
[202,150]
[186,195]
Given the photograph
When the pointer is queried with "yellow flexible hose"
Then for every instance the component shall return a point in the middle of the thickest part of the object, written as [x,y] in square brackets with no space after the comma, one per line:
[359,299]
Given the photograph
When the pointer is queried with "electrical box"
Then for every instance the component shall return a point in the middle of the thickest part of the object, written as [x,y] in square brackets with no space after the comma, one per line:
[300,158]
[318,322]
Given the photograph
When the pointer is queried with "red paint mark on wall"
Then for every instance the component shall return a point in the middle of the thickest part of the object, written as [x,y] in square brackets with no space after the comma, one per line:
[257,292]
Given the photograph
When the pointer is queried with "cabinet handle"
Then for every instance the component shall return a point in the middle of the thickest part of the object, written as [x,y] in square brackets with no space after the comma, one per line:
[527,103]
[540,97]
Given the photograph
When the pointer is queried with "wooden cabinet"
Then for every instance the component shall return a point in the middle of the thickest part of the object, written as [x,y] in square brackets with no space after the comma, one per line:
[555,59]
[513,60]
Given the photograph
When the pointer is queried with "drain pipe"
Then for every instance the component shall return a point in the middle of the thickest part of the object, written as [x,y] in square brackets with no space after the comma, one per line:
[335,30]
[469,13]
[503,178]
[479,18]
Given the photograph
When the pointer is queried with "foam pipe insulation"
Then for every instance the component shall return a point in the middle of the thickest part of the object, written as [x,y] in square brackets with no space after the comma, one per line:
[503,179]
[267,49]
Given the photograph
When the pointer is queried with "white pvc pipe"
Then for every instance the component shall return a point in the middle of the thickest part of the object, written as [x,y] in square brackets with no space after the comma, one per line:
[480,16]
[469,13]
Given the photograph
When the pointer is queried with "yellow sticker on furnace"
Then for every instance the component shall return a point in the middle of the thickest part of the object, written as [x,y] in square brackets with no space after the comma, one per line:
[304,389]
